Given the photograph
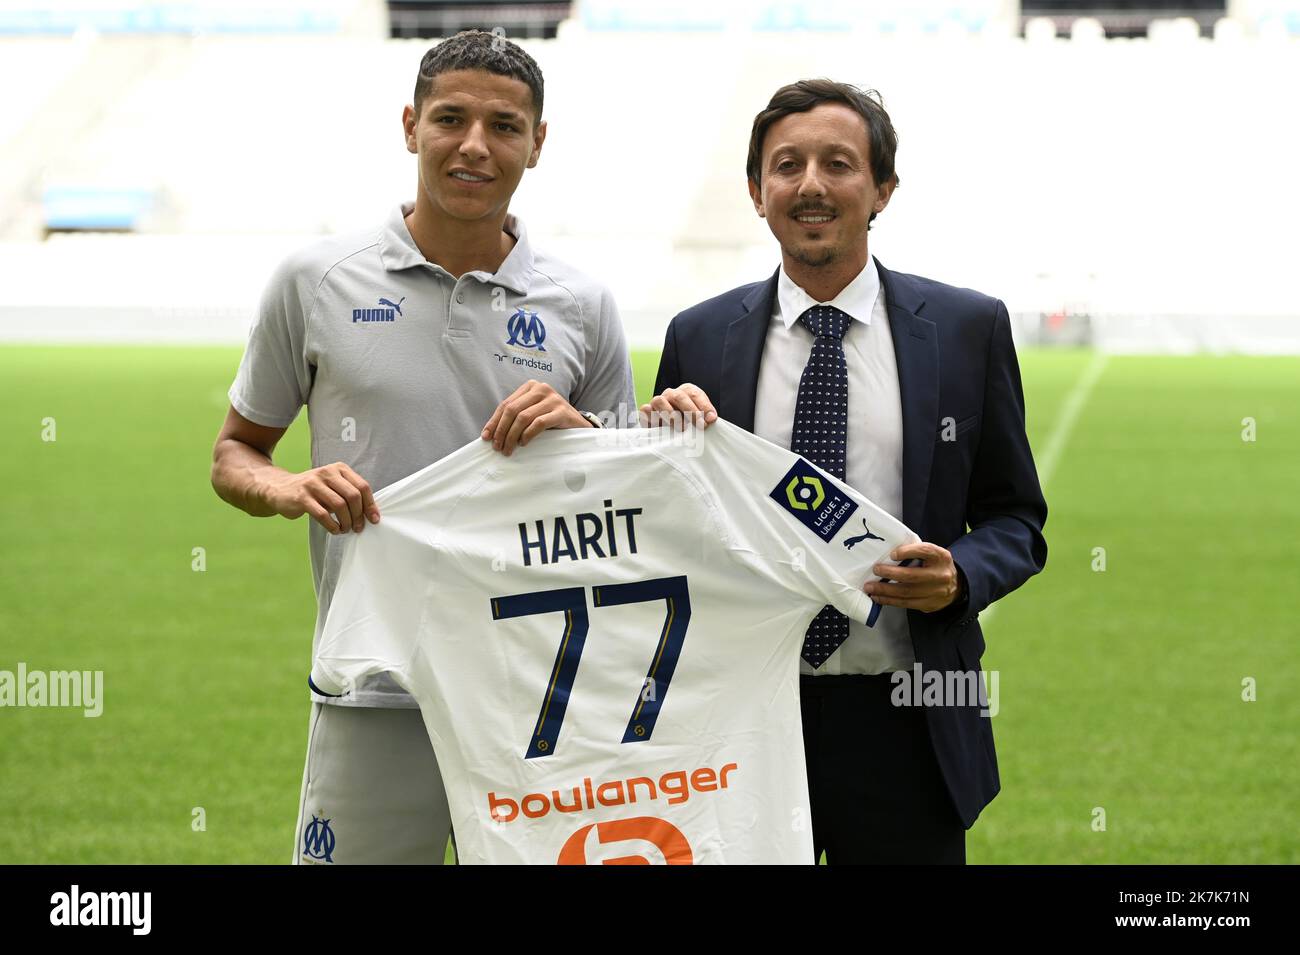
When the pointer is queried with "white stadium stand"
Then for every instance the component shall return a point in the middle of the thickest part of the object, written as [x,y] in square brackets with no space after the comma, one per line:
[30,70]
[1144,183]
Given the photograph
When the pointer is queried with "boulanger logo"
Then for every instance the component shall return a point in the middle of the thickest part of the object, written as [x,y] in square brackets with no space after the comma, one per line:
[814,499]
[318,839]
[643,840]
[675,786]
[526,330]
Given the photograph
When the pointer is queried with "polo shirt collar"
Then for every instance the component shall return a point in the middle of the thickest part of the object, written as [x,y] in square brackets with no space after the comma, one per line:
[857,299]
[516,272]
[397,250]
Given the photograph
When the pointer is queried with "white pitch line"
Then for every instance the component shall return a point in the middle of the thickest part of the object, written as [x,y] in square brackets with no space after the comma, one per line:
[1059,436]
[1073,407]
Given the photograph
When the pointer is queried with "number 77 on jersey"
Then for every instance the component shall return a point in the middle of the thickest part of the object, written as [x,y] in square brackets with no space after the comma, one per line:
[572,602]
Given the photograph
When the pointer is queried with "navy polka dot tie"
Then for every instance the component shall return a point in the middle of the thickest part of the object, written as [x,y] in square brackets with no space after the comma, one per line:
[821,416]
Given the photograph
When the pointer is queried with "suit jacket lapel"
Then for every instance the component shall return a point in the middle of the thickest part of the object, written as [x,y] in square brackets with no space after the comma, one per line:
[742,351]
[916,349]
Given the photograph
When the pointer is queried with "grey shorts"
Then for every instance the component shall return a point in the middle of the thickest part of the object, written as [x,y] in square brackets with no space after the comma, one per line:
[371,790]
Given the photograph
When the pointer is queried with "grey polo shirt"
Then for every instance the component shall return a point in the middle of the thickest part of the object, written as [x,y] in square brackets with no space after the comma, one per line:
[399,363]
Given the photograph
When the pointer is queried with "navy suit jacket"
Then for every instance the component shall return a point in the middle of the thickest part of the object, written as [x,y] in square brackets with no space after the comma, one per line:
[977,495]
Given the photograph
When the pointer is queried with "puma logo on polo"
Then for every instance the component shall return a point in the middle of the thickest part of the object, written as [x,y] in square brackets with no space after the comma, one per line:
[388,314]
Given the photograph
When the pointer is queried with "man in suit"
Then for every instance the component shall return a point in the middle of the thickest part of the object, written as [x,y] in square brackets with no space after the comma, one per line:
[910,391]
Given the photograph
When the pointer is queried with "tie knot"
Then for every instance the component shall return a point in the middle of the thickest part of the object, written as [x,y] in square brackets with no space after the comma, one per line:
[826,321]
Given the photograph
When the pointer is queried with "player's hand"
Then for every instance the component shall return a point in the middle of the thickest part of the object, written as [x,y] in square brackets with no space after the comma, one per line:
[335,496]
[534,407]
[676,406]
[928,586]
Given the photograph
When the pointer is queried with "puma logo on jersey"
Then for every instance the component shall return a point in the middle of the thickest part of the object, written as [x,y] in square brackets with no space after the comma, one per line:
[868,536]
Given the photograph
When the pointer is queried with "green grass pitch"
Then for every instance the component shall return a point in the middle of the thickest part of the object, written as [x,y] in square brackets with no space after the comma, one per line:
[1119,690]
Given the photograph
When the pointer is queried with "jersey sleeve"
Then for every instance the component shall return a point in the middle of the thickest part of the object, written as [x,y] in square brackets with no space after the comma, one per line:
[378,608]
[793,524]
[606,388]
[275,376]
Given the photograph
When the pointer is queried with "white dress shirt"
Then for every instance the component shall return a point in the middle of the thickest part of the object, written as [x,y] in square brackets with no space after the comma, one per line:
[874,459]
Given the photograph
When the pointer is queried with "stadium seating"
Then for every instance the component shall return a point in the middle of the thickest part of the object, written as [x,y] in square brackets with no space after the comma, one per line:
[1020,159]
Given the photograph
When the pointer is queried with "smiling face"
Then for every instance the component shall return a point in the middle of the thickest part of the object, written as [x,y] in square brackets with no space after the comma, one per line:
[476,134]
[816,190]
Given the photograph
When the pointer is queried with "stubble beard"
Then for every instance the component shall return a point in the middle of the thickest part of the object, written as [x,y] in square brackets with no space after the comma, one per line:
[814,259]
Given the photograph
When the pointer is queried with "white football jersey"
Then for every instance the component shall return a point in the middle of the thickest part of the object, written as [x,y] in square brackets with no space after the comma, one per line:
[603,633]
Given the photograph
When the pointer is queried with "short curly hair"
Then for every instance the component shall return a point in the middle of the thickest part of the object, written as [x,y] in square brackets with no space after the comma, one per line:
[479,50]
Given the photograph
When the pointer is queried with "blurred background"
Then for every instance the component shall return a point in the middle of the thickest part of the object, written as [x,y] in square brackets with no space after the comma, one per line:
[1119,173]
[1111,170]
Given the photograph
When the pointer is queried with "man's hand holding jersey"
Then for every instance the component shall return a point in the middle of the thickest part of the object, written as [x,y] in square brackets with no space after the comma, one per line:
[930,584]
[336,497]
[678,406]
[243,474]
[533,408]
